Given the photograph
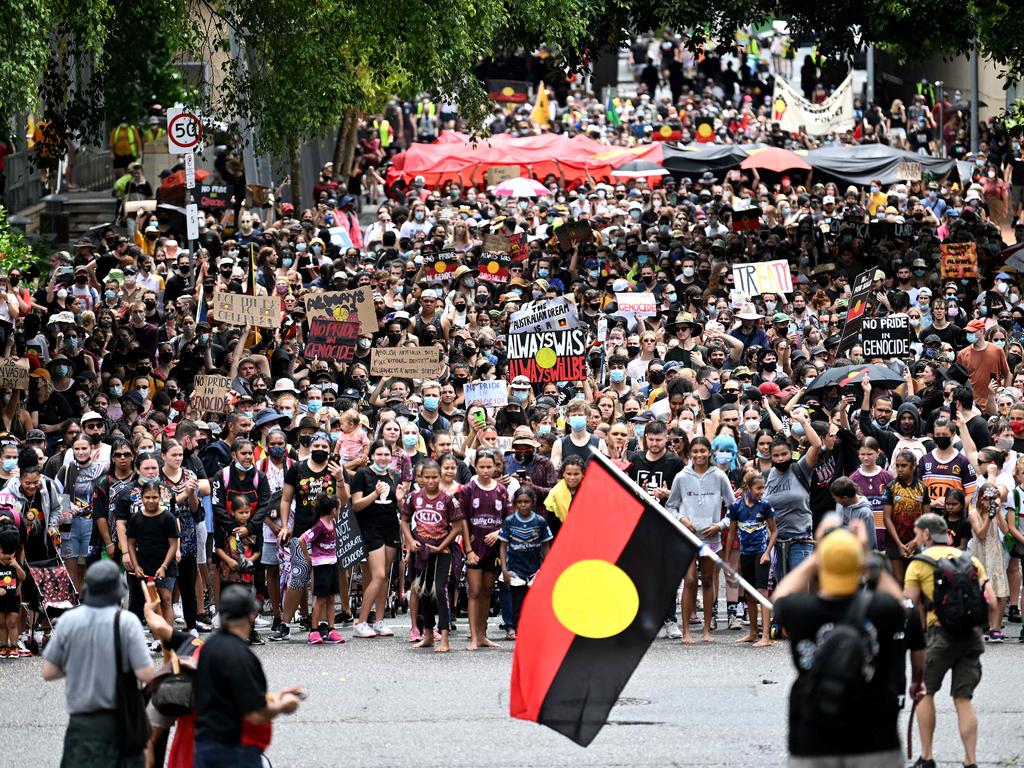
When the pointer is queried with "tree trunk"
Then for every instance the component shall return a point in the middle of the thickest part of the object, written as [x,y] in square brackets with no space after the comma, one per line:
[339,144]
[350,142]
[295,171]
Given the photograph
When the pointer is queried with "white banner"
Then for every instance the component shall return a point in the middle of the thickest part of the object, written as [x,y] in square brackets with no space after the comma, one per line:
[763,277]
[637,304]
[792,111]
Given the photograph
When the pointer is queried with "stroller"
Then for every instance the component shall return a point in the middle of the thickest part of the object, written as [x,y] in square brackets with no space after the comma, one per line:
[49,592]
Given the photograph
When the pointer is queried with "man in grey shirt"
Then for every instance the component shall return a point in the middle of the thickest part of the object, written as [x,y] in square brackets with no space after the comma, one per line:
[850,505]
[81,650]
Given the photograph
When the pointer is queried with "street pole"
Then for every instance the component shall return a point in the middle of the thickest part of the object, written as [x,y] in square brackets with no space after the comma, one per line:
[191,216]
[871,75]
[974,96]
[942,119]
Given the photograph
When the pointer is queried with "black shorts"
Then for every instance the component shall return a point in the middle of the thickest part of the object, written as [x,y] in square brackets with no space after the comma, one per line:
[325,580]
[10,602]
[490,561]
[379,533]
[753,571]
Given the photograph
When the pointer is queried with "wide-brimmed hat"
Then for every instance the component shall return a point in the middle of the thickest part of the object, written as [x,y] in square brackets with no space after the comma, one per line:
[281,386]
[686,318]
[747,312]
[271,416]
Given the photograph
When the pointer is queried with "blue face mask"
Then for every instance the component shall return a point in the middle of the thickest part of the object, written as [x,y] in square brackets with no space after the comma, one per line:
[240,468]
[798,429]
[248,414]
[971,338]
[542,272]
[378,468]
[431,403]
[638,430]
[715,387]
[544,429]
[300,247]
[520,396]
[617,376]
[335,437]
[117,390]
[723,457]
[10,465]
[594,274]
[287,262]
[276,451]
[313,406]
[577,423]
[410,441]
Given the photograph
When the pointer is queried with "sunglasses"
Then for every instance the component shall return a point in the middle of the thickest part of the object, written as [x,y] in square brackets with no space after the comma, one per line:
[123,455]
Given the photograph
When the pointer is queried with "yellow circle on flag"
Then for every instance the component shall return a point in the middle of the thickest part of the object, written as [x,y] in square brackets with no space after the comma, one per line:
[665,130]
[493,267]
[546,357]
[508,91]
[440,266]
[595,598]
[704,130]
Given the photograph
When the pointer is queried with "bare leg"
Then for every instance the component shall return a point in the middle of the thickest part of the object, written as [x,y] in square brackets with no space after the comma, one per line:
[165,605]
[376,567]
[689,601]
[751,636]
[382,594]
[926,724]
[967,719]
[708,582]
[766,620]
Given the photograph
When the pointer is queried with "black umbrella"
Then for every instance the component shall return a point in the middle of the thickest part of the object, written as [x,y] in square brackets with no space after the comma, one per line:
[845,375]
[639,169]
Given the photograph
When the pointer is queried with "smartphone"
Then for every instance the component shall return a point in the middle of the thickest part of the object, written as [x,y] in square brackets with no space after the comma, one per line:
[952,410]
[520,474]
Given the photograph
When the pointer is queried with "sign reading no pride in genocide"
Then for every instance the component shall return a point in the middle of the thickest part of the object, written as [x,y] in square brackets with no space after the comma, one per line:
[343,305]
[406,362]
[490,394]
[331,339]
[13,376]
[212,393]
[240,309]
[886,336]
[763,277]
[548,356]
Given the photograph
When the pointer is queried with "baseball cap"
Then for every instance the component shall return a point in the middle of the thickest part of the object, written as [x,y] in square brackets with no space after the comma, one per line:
[237,602]
[976,326]
[840,560]
[769,388]
[935,525]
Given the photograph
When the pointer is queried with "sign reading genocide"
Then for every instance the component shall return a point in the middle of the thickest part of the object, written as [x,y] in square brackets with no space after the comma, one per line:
[349,539]
[959,260]
[517,246]
[909,171]
[489,394]
[331,339]
[211,393]
[342,305]
[13,376]
[554,315]
[440,267]
[763,277]
[886,336]
[493,267]
[241,309]
[214,197]
[548,356]
[636,304]
[406,362]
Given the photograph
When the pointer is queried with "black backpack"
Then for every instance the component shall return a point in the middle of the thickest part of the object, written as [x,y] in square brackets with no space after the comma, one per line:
[958,600]
[841,668]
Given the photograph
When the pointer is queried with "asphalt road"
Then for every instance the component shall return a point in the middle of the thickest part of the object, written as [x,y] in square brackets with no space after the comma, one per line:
[379,703]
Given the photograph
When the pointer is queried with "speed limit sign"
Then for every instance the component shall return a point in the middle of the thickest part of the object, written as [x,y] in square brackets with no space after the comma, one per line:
[184,131]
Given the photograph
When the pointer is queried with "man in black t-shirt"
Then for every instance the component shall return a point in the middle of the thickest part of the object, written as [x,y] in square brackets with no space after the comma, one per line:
[656,468]
[233,707]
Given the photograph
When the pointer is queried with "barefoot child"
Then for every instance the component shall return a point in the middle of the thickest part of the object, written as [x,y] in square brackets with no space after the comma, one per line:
[320,548]
[430,522]
[11,576]
[525,539]
[753,520]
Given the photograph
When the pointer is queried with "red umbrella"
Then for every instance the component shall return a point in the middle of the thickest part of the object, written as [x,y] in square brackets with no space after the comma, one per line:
[775,159]
[172,188]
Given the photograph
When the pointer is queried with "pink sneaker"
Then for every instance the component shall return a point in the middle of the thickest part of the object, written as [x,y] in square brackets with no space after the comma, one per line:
[415,635]
[334,637]
[314,638]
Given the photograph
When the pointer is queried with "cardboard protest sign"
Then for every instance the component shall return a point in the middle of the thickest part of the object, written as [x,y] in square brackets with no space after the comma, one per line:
[493,267]
[909,171]
[211,393]
[490,394]
[890,230]
[574,233]
[331,339]
[498,243]
[554,315]
[500,173]
[548,356]
[517,247]
[959,260]
[886,336]
[406,362]
[341,305]
[858,305]
[12,375]
[241,309]
[348,538]
[763,277]
[636,304]
[439,267]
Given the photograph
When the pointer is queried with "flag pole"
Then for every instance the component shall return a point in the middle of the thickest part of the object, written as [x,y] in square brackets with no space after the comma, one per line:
[703,551]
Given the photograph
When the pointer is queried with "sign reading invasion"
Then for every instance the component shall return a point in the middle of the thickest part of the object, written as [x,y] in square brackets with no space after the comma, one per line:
[548,356]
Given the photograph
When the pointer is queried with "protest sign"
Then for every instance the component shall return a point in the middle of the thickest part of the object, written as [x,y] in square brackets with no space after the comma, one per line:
[498,243]
[349,538]
[574,233]
[342,305]
[439,267]
[746,219]
[212,393]
[499,173]
[636,304]
[214,197]
[908,171]
[886,336]
[763,277]
[490,394]
[548,356]
[793,112]
[890,230]
[517,247]
[554,315]
[406,362]
[493,267]
[331,339]
[959,260]
[241,309]
[13,376]
[855,314]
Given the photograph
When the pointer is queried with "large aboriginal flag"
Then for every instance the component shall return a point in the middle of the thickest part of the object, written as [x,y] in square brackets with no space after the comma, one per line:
[596,605]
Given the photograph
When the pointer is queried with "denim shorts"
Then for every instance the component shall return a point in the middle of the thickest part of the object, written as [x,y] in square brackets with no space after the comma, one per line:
[75,543]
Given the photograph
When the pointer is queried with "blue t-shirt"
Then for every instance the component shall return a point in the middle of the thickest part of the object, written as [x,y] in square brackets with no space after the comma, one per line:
[524,538]
[752,524]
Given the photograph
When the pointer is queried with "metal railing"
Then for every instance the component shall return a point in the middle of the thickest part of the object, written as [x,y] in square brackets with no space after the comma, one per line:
[23,186]
[92,169]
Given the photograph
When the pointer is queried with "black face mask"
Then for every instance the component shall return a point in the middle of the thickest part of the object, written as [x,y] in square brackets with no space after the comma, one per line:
[524,457]
[632,351]
[305,440]
[319,456]
[394,338]
[656,377]
[730,395]
[782,466]
[943,441]
[769,366]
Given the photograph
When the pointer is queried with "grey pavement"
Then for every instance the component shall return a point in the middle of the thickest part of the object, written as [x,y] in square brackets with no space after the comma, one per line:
[380,703]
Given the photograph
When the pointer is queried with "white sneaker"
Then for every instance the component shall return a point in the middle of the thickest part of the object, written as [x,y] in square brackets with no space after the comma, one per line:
[363,630]
[262,623]
[383,629]
[672,631]
[216,621]
[178,612]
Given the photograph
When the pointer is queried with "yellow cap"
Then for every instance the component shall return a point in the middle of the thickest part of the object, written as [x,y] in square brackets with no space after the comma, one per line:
[840,559]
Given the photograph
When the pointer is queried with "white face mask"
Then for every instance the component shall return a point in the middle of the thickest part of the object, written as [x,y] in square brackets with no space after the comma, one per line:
[751,425]
[686,424]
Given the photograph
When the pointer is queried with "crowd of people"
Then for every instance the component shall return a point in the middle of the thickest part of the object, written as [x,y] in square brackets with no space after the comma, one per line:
[710,403]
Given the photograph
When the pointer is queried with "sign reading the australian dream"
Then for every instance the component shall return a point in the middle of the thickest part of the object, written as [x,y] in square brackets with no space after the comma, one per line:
[548,356]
